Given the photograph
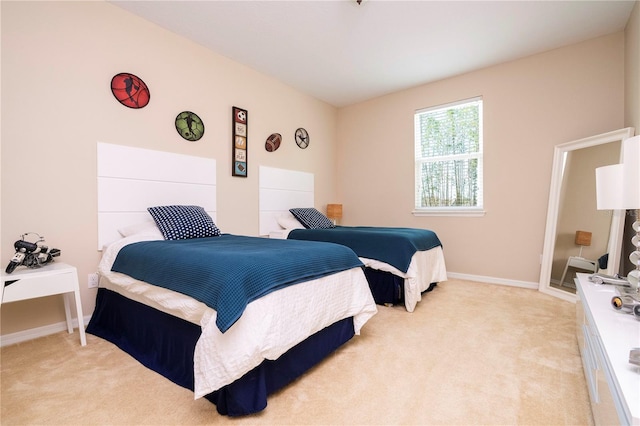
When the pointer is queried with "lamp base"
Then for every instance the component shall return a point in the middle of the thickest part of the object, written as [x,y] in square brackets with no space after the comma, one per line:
[634,276]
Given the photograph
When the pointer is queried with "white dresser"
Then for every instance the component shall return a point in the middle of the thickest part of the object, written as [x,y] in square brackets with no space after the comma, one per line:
[605,337]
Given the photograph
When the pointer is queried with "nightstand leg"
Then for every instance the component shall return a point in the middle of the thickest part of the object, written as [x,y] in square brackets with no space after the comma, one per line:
[83,337]
[76,292]
[67,312]
[564,274]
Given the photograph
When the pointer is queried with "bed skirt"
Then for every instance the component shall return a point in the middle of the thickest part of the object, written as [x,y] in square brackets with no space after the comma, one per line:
[166,344]
[387,288]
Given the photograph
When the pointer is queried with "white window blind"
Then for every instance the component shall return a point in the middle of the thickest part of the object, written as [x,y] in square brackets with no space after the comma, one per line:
[448,158]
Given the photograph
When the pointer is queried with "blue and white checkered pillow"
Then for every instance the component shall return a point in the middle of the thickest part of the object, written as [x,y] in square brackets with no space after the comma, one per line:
[183,222]
[311,218]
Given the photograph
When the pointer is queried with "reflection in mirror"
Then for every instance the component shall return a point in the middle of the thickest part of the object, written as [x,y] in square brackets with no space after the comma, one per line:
[578,237]
[582,231]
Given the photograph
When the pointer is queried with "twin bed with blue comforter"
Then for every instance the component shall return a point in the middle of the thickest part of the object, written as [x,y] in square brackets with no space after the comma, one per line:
[395,246]
[233,318]
[401,263]
[231,270]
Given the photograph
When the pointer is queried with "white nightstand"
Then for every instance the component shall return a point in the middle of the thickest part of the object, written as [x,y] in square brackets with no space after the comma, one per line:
[48,280]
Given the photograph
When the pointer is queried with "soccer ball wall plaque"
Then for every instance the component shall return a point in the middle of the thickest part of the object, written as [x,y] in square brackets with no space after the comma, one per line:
[189,126]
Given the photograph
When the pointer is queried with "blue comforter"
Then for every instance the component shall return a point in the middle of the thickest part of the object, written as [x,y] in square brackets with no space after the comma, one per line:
[229,271]
[395,246]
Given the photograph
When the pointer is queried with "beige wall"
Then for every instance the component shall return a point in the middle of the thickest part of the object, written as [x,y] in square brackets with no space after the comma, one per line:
[58,59]
[530,105]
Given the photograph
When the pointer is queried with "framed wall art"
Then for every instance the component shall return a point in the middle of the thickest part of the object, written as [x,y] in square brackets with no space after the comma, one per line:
[240,142]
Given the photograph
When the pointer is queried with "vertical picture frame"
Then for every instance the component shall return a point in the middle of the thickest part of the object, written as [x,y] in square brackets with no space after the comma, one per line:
[239,151]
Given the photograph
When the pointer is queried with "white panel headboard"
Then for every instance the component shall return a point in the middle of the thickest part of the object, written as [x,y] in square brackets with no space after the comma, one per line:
[281,190]
[132,179]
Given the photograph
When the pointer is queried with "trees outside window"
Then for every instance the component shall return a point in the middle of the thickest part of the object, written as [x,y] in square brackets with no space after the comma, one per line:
[448,157]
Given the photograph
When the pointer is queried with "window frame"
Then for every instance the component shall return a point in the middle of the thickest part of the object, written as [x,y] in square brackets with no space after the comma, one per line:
[477,210]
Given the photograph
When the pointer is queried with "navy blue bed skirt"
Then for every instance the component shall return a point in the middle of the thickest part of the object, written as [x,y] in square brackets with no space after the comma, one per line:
[387,288]
[165,344]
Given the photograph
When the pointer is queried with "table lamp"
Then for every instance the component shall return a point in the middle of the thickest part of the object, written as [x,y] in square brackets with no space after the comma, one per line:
[618,188]
[583,239]
[334,212]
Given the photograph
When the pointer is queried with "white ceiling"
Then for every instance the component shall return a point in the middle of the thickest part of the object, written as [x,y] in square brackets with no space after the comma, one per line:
[343,53]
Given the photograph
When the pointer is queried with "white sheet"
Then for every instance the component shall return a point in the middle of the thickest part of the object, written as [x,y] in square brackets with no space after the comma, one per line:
[266,329]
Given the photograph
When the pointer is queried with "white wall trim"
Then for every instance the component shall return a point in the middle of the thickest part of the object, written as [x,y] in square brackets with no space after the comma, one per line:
[34,333]
[46,330]
[560,294]
[493,280]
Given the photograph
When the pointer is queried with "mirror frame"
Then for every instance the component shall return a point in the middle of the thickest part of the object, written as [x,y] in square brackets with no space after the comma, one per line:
[617,220]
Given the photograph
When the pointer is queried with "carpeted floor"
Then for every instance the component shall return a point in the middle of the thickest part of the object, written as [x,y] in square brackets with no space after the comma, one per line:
[470,354]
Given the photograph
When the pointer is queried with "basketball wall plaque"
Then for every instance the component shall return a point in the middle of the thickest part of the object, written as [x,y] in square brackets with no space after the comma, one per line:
[130,90]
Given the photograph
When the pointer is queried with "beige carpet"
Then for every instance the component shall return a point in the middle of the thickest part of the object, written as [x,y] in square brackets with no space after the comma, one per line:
[470,354]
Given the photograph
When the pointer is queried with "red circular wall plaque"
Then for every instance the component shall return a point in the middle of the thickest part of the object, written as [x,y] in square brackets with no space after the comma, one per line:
[130,90]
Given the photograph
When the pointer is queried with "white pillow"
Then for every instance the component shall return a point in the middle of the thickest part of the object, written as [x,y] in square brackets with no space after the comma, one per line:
[289,221]
[147,227]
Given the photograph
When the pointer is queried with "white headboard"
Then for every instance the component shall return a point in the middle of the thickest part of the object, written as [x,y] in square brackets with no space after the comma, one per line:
[281,190]
[132,179]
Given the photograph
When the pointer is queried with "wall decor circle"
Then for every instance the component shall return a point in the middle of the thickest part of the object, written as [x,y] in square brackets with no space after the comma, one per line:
[130,90]
[273,142]
[189,126]
[302,138]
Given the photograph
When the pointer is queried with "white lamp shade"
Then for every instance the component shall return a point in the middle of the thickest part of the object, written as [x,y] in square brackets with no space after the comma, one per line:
[609,187]
[631,173]
[618,186]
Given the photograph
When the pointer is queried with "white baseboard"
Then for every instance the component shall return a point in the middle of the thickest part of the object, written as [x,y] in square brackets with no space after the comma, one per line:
[493,280]
[34,333]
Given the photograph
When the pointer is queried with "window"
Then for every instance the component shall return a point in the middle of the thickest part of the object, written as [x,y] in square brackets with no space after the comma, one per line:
[448,156]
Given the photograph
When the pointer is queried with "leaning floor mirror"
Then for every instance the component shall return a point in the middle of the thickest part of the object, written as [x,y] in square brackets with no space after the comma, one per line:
[578,237]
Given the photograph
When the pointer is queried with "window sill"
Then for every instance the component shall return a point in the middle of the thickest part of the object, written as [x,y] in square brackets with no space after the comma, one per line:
[449,212]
